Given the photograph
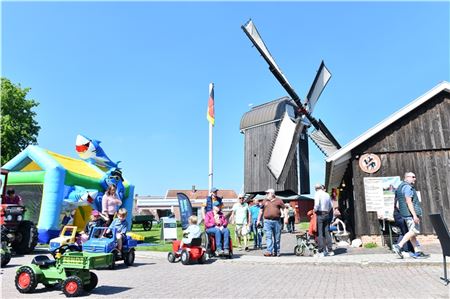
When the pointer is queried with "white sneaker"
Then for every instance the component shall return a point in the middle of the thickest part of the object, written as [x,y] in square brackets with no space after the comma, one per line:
[319,254]
[330,253]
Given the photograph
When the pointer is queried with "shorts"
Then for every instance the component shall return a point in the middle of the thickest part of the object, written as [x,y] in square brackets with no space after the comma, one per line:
[412,226]
[240,230]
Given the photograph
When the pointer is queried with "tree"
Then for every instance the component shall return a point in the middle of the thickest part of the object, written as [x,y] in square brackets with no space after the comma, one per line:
[18,127]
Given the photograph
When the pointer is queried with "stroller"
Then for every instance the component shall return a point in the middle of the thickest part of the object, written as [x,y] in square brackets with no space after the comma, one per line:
[306,242]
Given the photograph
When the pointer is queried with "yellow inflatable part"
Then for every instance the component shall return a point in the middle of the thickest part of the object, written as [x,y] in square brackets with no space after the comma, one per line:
[136,236]
[82,217]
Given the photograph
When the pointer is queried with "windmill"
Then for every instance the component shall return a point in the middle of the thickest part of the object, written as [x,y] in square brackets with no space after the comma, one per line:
[287,140]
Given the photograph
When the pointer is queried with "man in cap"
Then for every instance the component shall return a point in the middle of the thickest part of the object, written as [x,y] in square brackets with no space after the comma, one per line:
[271,211]
[323,207]
[257,231]
[208,203]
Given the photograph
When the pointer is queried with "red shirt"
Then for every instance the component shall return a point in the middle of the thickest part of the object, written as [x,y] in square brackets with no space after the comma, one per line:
[12,200]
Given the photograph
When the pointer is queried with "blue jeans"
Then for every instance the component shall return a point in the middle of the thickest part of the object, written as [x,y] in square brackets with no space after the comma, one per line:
[218,234]
[257,235]
[273,235]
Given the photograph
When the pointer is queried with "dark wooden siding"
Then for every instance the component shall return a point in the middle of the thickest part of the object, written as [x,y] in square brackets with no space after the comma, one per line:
[257,177]
[418,142]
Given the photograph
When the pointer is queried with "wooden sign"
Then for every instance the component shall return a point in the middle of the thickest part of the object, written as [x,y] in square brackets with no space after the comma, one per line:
[369,163]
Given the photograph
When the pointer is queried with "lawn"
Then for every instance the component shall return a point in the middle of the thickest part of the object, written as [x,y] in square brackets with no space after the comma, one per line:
[154,236]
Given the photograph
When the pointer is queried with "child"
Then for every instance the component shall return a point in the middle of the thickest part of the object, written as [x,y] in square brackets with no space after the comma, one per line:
[192,231]
[121,226]
[97,220]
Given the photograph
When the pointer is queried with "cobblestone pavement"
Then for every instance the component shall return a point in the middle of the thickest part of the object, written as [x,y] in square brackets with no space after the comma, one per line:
[157,278]
[353,273]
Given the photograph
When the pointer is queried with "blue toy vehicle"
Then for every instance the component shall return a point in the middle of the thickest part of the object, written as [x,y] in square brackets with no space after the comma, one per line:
[100,242]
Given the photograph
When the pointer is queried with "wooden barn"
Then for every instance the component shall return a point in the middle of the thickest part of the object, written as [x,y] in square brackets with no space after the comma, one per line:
[259,126]
[416,138]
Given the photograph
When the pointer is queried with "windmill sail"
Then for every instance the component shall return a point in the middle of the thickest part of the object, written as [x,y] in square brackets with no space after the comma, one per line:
[281,155]
[320,81]
[324,140]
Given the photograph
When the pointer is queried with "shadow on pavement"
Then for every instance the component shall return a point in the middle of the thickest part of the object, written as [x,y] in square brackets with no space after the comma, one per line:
[109,290]
[339,251]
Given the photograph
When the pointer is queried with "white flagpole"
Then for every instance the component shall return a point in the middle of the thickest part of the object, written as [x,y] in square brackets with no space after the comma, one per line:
[210,156]
[210,174]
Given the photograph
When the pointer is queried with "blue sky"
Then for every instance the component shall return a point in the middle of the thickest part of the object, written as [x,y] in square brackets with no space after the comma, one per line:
[136,75]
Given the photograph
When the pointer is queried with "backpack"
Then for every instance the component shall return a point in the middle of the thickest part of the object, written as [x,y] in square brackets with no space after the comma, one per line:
[291,213]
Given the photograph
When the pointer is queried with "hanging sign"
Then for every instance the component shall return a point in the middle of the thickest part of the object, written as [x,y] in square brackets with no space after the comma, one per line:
[369,163]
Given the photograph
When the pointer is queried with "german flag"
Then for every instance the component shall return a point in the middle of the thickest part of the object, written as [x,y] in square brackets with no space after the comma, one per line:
[210,111]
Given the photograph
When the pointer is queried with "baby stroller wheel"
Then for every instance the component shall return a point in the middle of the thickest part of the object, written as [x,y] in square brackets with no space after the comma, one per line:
[299,250]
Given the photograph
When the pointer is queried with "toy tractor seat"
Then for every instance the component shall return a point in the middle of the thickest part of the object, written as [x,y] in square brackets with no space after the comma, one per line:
[43,261]
[196,241]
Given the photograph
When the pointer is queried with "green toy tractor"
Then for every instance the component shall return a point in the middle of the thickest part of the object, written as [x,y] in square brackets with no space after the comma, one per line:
[71,271]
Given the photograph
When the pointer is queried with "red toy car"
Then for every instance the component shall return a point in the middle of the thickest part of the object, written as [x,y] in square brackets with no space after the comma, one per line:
[189,252]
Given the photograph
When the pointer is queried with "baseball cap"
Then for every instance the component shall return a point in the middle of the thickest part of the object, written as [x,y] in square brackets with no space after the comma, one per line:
[214,189]
[270,191]
[95,213]
[241,195]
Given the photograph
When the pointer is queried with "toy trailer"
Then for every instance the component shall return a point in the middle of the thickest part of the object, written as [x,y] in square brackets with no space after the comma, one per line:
[71,271]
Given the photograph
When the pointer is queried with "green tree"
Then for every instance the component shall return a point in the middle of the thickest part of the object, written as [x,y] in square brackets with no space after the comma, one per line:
[18,126]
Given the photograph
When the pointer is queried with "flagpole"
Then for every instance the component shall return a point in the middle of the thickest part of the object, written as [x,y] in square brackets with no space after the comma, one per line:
[210,183]
[211,119]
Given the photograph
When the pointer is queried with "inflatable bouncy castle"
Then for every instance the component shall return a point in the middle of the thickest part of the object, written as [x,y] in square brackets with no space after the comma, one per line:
[59,190]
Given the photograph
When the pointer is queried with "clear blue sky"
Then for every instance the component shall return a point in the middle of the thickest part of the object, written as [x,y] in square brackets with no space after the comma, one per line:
[136,75]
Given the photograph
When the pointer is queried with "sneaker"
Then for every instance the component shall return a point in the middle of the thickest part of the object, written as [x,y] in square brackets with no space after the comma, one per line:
[226,252]
[398,250]
[267,254]
[420,255]
[319,254]
[330,253]
[246,249]
[278,254]
[217,253]
[221,252]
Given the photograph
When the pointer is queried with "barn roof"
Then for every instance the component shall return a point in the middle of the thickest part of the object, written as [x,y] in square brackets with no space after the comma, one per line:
[265,113]
[338,162]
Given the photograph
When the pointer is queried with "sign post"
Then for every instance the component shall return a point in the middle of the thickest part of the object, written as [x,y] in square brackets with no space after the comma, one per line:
[168,229]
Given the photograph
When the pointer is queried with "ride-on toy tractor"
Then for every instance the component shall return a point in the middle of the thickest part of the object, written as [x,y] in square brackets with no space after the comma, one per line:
[71,271]
[189,252]
[99,241]
[65,241]
[20,234]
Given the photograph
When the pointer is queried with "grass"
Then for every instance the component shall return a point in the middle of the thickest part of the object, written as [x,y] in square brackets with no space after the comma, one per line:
[154,236]
[370,245]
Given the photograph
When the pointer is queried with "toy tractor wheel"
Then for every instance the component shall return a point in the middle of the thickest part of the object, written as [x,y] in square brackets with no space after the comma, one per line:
[113,262]
[299,250]
[147,225]
[171,257]
[27,238]
[129,258]
[93,280]
[5,258]
[26,280]
[203,258]
[185,257]
[72,286]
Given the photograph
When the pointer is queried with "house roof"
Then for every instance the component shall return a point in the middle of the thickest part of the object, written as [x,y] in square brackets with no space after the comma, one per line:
[200,194]
[265,113]
[337,163]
